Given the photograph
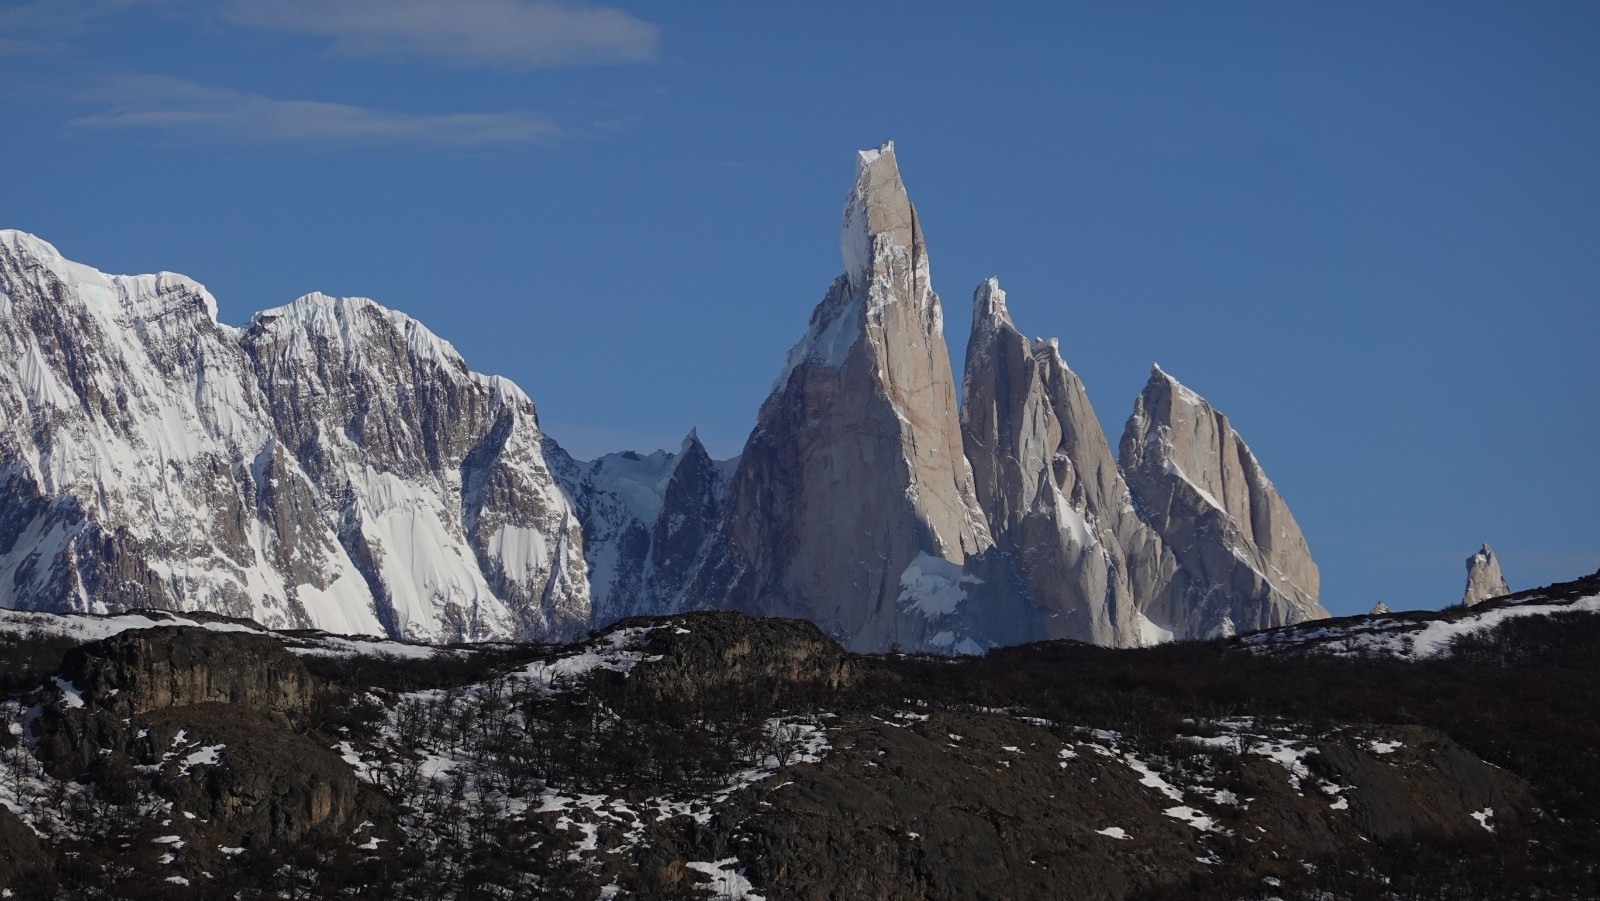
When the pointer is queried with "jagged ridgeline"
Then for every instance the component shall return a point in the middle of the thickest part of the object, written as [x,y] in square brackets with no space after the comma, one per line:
[335,465]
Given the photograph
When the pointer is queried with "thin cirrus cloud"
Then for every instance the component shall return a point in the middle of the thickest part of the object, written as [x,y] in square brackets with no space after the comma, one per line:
[496,33]
[178,107]
[66,14]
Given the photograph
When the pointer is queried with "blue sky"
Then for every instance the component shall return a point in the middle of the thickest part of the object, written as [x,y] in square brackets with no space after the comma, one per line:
[1368,232]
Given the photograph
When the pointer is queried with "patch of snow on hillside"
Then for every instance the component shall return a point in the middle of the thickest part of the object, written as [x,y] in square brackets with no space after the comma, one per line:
[618,651]
[71,695]
[1114,832]
[725,881]
[522,552]
[933,586]
[334,646]
[1409,638]
[1152,634]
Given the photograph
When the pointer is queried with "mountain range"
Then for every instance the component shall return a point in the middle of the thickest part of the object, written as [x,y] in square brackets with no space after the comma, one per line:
[336,465]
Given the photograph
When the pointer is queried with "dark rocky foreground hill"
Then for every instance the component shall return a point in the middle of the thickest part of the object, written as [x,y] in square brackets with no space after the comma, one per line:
[1451,755]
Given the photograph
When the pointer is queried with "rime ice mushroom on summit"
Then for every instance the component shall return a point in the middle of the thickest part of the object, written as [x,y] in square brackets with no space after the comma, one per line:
[1484,580]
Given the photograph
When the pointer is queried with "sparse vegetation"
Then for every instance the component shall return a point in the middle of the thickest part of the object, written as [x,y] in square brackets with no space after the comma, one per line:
[515,771]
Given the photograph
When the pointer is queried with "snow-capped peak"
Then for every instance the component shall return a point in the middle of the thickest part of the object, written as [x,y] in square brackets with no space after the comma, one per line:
[868,157]
[333,465]
[989,302]
[877,215]
[691,441]
[122,298]
[1178,389]
[352,321]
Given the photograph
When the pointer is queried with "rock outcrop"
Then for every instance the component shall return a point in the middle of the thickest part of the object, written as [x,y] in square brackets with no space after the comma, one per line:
[853,504]
[25,866]
[1243,562]
[1484,580]
[174,666]
[706,654]
[208,720]
[1050,488]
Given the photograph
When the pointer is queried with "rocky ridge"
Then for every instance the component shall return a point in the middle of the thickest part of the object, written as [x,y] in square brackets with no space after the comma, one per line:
[1052,492]
[332,465]
[1243,562]
[647,521]
[335,465]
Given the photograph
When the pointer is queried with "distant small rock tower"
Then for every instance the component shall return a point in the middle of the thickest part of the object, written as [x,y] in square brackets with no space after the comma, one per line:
[1484,580]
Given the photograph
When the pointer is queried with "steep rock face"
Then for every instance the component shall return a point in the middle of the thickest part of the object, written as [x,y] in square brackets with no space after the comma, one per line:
[442,490]
[151,669]
[1049,486]
[691,506]
[1243,562]
[137,460]
[25,866]
[853,504]
[704,654]
[1484,580]
[647,521]
[333,466]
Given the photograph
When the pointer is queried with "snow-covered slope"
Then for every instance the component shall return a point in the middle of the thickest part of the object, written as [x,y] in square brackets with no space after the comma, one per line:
[646,523]
[1422,635]
[335,465]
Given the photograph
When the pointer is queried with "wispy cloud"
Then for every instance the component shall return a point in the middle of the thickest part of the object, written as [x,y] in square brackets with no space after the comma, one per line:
[59,14]
[182,107]
[12,47]
[502,33]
